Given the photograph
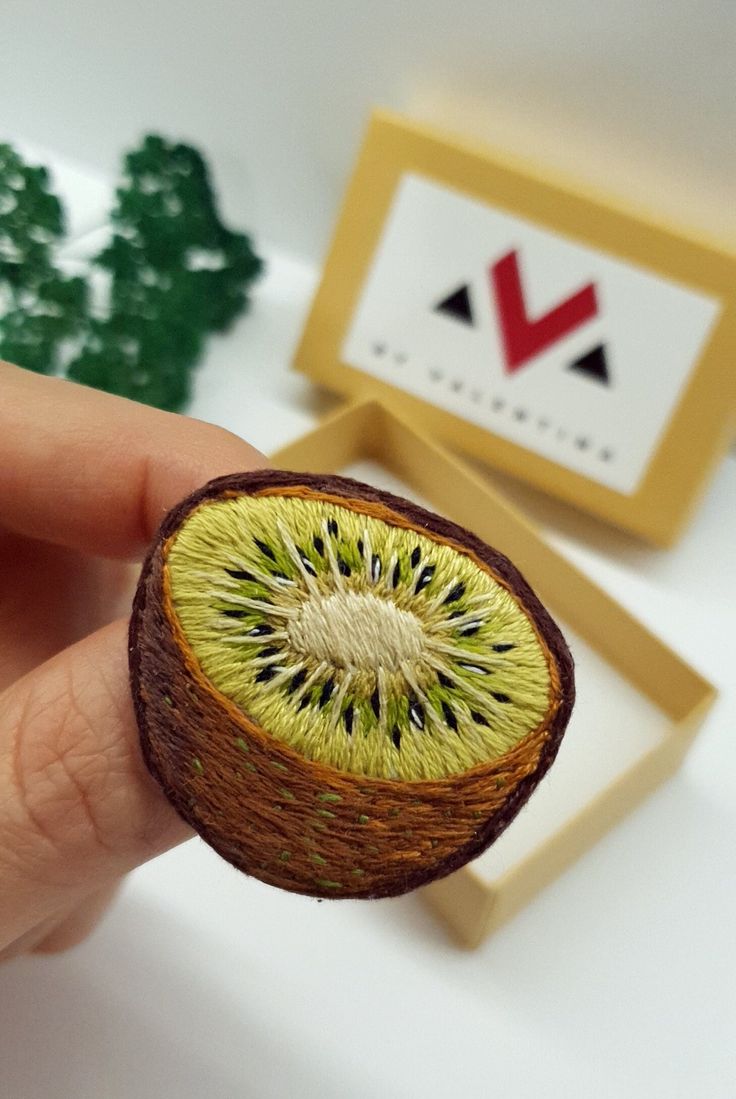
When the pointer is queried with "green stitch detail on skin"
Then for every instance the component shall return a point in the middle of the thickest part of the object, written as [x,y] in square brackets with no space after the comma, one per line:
[329,797]
[285,856]
[357,872]
[325,883]
[241,744]
[279,766]
[197,765]
[286,793]
[325,813]
[169,701]
[318,859]
[363,819]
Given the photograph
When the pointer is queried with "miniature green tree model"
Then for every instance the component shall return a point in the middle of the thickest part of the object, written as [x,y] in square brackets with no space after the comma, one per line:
[176,274]
[40,307]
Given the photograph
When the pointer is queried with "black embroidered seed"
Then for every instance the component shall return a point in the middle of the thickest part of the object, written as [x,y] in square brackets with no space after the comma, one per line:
[347,717]
[238,574]
[425,577]
[343,567]
[499,697]
[327,690]
[297,681]
[260,630]
[502,648]
[396,575]
[416,557]
[318,545]
[361,547]
[266,550]
[445,680]
[469,630]
[266,674]
[396,737]
[449,716]
[270,650]
[456,614]
[308,566]
[333,527]
[304,702]
[478,718]
[376,702]
[376,567]
[235,614]
[416,714]
[457,593]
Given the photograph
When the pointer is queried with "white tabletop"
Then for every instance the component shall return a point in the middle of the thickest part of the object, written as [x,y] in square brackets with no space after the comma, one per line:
[618,980]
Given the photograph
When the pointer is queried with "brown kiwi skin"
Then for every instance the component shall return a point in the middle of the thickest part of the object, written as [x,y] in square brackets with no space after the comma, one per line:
[148,681]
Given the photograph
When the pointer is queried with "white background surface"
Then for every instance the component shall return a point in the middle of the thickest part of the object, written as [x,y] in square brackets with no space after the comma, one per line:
[619,979]
[633,97]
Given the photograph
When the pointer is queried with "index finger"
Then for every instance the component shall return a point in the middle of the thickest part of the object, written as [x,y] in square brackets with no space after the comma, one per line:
[98,473]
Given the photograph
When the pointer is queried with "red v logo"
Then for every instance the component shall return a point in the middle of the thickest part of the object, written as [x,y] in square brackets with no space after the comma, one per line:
[523,338]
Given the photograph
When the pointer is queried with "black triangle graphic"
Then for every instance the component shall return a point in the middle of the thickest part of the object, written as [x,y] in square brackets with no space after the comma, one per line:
[593,365]
[457,305]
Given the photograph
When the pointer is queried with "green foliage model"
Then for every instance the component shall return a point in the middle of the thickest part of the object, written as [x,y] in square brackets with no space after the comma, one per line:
[175,273]
[39,306]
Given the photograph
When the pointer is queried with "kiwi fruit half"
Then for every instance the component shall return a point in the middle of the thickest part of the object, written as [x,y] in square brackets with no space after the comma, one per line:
[343,693]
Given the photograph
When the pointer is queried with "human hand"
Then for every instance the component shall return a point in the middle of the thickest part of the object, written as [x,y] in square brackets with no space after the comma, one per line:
[85,480]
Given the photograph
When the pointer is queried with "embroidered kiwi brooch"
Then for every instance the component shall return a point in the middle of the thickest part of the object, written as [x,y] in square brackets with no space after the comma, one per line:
[344,694]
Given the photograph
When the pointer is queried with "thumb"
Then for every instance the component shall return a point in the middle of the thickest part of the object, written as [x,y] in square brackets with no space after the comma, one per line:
[78,807]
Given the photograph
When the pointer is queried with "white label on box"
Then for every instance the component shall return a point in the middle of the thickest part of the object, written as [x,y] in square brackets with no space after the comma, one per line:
[555,346]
